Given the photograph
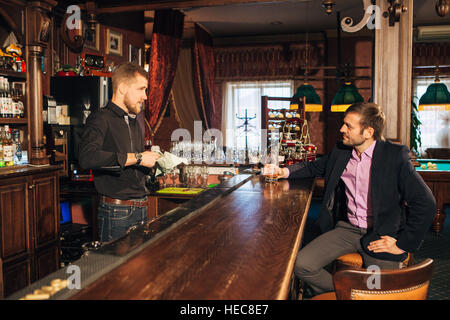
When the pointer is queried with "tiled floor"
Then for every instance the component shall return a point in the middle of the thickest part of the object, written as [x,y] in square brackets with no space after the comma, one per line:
[438,249]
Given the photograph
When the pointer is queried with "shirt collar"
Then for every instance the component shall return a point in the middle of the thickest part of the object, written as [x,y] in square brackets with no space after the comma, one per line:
[368,152]
[119,111]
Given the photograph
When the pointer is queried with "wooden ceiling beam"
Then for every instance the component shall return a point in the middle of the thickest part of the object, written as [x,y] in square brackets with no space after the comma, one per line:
[180,4]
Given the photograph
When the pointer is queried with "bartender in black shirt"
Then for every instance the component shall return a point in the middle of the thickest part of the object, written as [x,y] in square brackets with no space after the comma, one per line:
[113,147]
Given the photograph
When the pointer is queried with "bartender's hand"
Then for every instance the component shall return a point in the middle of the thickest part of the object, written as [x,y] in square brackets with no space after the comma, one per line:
[149,158]
[271,169]
[385,244]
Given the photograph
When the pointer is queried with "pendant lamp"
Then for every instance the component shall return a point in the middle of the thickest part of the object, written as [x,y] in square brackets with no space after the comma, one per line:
[346,95]
[437,95]
[312,99]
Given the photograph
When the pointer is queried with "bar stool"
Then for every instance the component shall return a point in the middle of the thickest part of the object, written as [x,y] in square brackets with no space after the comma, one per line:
[410,283]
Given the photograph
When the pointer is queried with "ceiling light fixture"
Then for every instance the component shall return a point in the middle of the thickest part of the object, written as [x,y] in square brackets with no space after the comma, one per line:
[328,6]
[346,96]
[442,7]
[437,95]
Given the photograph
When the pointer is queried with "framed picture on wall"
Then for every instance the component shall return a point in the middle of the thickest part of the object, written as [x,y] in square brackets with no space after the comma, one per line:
[92,39]
[134,54]
[114,42]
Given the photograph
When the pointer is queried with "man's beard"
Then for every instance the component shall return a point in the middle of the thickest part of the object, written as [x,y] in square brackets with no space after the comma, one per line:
[134,109]
[353,143]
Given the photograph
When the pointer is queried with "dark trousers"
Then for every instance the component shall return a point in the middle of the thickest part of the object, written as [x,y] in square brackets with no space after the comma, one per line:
[320,252]
[115,220]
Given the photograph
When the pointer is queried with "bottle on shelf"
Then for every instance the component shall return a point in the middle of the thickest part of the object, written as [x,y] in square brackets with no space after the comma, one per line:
[8,148]
[17,148]
[2,161]
[9,104]
[2,98]
[6,102]
[17,105]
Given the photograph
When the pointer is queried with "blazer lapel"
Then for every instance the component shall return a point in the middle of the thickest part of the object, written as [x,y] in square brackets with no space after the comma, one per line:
[376,176]
[339,167]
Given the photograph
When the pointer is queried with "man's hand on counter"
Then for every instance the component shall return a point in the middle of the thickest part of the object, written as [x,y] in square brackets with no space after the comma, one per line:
[274,170]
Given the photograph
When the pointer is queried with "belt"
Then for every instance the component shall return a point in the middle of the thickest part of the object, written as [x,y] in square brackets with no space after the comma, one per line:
[137,202]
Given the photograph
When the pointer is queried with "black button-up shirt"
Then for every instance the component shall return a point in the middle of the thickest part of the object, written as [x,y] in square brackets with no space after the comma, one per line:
[109,134]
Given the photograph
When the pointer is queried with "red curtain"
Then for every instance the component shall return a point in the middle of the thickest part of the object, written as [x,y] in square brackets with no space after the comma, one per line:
[164,52]
[203,73]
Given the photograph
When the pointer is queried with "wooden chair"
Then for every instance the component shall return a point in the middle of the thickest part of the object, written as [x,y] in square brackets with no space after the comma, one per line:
[410,283]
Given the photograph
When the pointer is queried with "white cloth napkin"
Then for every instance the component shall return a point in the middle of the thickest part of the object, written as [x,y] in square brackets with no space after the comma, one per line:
[167,160]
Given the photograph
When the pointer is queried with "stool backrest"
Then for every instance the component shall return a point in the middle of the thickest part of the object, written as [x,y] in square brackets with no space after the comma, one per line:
[368,284]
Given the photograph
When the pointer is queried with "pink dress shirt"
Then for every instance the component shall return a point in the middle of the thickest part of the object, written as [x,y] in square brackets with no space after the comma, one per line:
[356,177]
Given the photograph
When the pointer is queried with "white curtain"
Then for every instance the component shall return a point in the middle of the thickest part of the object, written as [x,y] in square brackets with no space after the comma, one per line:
[435,127]
[245,95]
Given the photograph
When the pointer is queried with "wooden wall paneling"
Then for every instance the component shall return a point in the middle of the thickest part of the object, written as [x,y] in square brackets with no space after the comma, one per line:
[16,276]
[393,71]
[46,261]
[2,295]
[46,209]
[14,220]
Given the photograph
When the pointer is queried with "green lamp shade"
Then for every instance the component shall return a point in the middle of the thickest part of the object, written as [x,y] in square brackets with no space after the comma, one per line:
[346,96]
[437,95]
[312,99]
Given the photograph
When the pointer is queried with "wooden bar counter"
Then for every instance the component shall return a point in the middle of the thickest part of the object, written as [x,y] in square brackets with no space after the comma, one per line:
[238,240]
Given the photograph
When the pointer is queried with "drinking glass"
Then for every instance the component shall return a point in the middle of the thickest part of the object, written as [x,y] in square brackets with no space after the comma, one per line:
[164,179]
[271,167]
[204,176]
[173,175]
[188,177]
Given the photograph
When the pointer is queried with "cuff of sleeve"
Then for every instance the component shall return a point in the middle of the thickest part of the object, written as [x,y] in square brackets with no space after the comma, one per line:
[121,159]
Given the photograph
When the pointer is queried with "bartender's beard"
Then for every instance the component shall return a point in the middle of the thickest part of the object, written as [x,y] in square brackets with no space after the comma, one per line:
[132,106]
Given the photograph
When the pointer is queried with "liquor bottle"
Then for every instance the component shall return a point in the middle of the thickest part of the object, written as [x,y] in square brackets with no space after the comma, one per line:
[14,106]
[18,147]
[2,98]
[9,104]
[2,161]
[8,148]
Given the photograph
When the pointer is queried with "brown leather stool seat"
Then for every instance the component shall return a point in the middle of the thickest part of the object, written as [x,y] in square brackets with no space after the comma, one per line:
[325,296]
[354,261]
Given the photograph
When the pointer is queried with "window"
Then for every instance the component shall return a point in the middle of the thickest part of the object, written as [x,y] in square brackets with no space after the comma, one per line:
[435,129]
[240,97]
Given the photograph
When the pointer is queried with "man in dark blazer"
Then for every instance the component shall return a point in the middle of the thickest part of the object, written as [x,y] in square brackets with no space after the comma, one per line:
[375,203]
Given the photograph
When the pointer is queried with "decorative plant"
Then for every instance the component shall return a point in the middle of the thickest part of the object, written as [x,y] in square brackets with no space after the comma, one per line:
[415,137]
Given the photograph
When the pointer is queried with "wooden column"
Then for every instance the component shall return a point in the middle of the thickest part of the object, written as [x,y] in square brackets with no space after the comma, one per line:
[1,279]
[38,26]
[38,154]
[393,72]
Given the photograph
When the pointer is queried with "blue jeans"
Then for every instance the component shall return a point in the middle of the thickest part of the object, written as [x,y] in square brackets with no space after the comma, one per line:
[115,220]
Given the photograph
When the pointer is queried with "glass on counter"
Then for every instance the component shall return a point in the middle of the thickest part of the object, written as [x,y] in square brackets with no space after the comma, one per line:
[271,167]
